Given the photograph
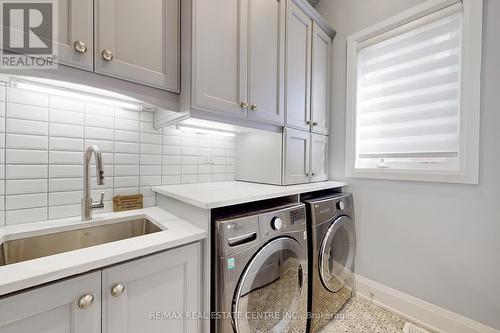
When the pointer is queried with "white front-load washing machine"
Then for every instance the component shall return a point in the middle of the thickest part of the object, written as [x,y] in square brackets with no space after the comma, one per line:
[332,243]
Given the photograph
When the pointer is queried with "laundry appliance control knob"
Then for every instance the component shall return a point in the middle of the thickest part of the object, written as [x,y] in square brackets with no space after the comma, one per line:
[276,223]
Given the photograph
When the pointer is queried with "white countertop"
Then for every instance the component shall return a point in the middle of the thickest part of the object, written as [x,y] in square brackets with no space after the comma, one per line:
[221,194]
[30,273]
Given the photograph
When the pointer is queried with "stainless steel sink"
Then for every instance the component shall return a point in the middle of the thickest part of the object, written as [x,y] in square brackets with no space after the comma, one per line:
[23,249]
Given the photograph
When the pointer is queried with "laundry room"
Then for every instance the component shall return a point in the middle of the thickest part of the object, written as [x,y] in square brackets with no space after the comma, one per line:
[249,166]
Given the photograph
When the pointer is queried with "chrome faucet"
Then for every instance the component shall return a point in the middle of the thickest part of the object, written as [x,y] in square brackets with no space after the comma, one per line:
[87,203]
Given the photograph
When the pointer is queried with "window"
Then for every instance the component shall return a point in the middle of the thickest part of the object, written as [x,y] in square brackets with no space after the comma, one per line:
[413,95]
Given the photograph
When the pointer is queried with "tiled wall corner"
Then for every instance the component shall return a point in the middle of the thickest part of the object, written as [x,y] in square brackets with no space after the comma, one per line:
[43,138]
[190,157]
[2,153]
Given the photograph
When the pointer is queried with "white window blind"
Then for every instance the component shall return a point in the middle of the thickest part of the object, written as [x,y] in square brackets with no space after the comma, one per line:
[408,95]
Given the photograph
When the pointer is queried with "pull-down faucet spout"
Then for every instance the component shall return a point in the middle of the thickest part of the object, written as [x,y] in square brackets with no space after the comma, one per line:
[87,204]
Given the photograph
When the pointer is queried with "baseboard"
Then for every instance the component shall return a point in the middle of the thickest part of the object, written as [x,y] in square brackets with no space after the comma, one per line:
[420,312]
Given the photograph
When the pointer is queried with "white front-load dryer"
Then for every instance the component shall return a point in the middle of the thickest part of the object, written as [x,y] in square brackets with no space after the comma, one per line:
[332,243]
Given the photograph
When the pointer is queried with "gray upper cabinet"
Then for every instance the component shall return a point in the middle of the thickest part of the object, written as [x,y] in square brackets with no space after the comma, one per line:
[320,83]
[70,306]
[75,33]
[220,56]
[298,68]
[138,41]
[168,282]
[238,58]
[266,47]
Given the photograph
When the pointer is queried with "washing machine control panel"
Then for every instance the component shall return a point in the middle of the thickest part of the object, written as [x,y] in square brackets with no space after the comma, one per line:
[275,222]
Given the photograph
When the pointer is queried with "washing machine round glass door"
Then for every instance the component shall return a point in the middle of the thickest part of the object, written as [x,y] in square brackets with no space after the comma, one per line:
[336,255]
[271,295]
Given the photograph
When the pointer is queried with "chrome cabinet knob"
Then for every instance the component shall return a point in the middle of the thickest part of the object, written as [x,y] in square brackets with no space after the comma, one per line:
[107,55]
[85,301]
[308,122]
[244,105]
[254,107]
[117,289]
[315,123]
[80,46]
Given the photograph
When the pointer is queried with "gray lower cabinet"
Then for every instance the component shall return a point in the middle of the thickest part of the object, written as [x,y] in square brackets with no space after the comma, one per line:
[163,284]
[319,158]
[134,297]
[55,308]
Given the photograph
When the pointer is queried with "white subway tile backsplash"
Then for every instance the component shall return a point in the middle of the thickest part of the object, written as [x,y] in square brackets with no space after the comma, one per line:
[127,124]
[147,116]
[146,159]
[65,171]
[152,149]
[123,182]
[127,114]
[44,139]
[26,171]
[59,212]
[69,144]
[99,109]
[22,201]
[68,131]
[126,136]
[99,121]
[15,156]
[65,184]
[25,215]
[29,112]
[127,147]
[66,157]
[66,117]
[21,96]
[22,141]
[22,126]
[126,158]
[65,103]
[25,186]
[65,198]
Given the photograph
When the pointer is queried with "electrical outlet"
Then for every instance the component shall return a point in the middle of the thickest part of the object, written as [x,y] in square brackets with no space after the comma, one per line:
[208,158]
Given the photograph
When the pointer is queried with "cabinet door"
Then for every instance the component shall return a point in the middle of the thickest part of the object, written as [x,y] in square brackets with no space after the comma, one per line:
[139,41]
[296,155]
[319,157]
[320,85]
[75,33]
[54,308]
[220,56]
[266,46]
[298,68]
[165,283]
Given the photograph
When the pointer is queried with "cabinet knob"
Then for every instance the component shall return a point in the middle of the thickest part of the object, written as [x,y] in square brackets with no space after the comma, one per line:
[315,123]
[254,107]
[117,289]
[244,105]
[80,46]
[308,122]
[85,301]
[107,55]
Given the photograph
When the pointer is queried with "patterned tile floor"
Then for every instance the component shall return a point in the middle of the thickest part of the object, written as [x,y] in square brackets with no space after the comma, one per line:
[360,316]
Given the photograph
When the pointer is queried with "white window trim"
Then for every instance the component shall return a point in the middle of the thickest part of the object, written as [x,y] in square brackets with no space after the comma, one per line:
[468,172]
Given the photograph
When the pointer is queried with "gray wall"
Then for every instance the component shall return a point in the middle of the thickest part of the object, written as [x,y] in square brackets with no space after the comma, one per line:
[438,242]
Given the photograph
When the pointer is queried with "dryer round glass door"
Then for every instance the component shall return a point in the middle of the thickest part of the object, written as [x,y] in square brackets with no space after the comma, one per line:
[337,254]
[271,295]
